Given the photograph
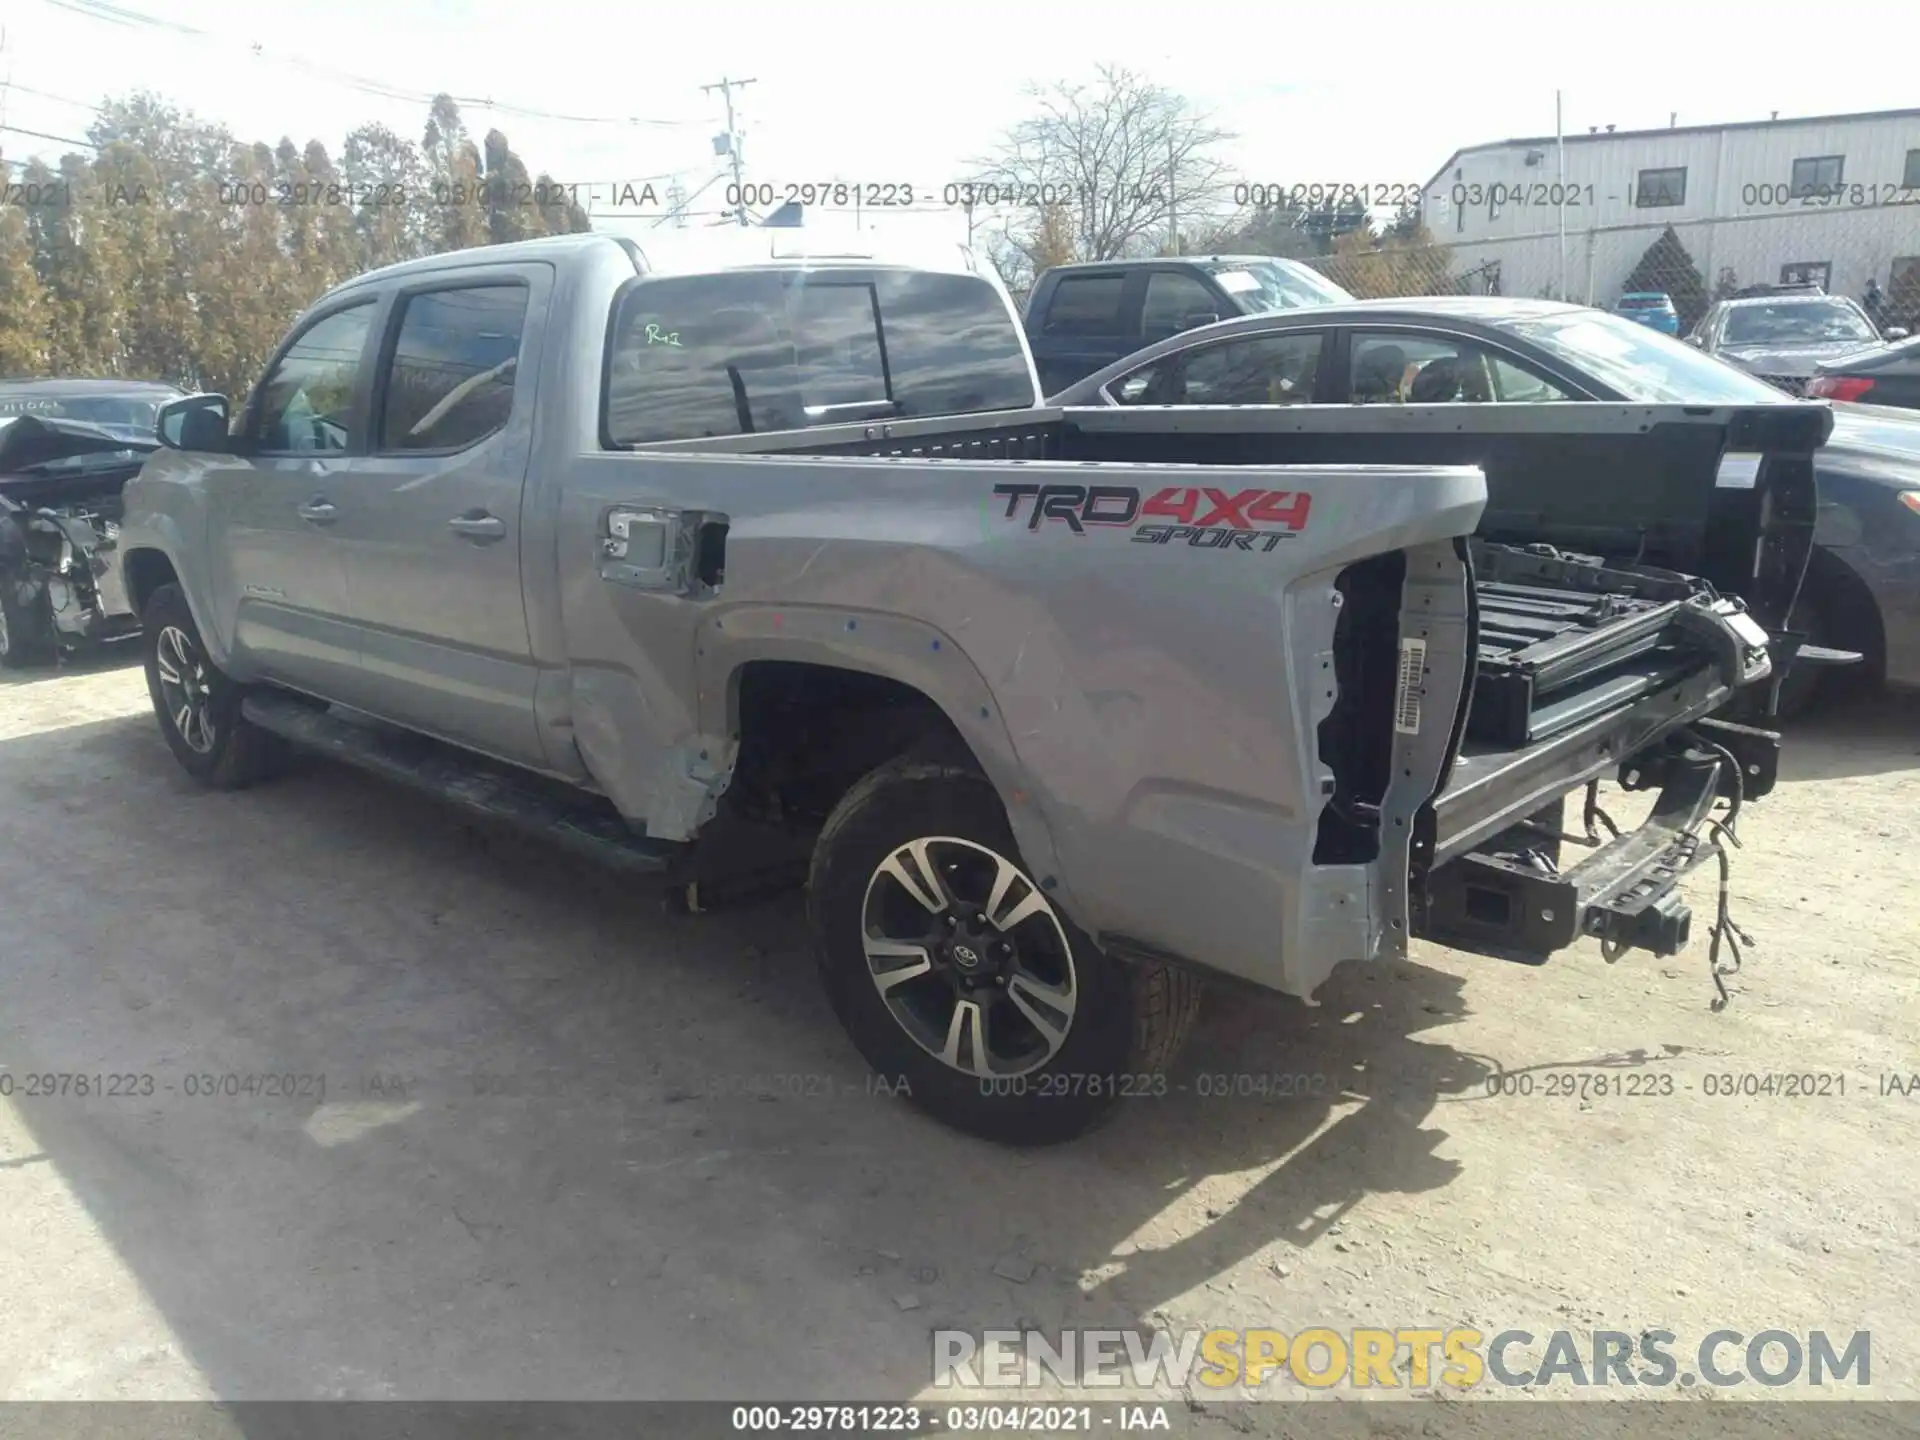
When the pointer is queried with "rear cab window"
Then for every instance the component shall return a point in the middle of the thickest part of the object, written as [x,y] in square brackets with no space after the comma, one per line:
[751,351]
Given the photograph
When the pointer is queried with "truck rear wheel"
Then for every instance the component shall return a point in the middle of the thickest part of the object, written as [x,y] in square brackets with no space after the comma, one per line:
[961,982]
[198,705]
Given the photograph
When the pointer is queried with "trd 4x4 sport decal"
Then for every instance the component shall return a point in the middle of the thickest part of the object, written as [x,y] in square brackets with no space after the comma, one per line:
[1204,518]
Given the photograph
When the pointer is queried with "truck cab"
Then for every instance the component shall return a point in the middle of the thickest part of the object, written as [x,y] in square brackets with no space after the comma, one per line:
[1081,318]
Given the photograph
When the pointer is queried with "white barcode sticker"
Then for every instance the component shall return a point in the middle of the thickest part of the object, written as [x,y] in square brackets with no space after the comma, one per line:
[1739,470]
[1406,700]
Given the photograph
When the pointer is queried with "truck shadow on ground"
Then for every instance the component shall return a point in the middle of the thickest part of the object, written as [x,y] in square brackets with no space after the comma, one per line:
[1858,734]
[96,660]
[572,1146]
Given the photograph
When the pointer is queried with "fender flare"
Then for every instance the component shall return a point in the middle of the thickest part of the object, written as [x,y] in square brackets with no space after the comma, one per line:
[893,647]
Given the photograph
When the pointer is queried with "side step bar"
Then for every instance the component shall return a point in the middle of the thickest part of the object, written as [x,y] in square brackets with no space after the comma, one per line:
[554,812]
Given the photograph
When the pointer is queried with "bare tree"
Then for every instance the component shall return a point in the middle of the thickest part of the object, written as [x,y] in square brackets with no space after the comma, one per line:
[1120,165]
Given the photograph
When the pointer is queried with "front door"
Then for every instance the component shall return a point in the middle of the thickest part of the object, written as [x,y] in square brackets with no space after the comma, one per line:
[430,514]
[278,569]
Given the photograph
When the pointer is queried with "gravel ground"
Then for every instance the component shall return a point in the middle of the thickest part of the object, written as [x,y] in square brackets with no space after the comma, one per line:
[569,1146]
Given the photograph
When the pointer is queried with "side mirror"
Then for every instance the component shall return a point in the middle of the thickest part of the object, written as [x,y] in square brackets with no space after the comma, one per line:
[1199,318]
[1696,342]
[198,422]
[1897,332]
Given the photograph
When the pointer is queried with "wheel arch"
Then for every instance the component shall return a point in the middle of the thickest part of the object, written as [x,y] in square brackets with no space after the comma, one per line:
[1847,604]
[146,569]
[887,655]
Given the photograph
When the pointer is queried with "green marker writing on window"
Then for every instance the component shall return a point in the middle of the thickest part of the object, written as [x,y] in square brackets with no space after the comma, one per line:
[657,336]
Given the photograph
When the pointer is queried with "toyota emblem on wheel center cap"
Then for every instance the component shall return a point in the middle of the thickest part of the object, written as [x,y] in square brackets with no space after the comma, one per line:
[965,957]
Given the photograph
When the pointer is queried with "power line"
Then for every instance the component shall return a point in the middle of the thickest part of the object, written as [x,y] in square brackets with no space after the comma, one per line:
[127,18]
[49,95]
[726,89]
[42,135]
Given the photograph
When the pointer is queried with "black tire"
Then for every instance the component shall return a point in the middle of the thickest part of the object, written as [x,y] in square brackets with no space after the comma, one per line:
[225,751]
[26,624]
[1127,1021]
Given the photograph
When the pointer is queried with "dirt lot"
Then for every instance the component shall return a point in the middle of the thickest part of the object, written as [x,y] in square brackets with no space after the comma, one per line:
[569,1146]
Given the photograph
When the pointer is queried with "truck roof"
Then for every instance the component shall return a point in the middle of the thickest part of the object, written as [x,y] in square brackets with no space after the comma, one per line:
[703,252]
[1174,260]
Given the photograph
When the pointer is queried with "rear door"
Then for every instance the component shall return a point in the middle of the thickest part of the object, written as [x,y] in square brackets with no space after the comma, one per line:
[1091,319]
[430,516]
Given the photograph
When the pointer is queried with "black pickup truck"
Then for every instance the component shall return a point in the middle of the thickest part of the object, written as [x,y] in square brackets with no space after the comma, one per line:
[1082,318]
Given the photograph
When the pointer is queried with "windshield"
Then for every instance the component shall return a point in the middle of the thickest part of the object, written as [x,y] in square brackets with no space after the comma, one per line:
[137,412]
[1640,363]
[1263,286]
[1802,322]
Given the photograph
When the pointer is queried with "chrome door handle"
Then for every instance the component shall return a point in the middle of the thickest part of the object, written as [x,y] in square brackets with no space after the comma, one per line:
[317,512]
[478,526]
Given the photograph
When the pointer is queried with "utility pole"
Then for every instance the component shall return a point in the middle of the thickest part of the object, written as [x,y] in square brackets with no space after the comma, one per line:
[1173,200]
[1560,145]
[726,88]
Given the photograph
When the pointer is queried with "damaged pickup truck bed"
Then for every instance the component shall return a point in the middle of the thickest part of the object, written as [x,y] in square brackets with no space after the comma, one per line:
[1055,711]
[60,507]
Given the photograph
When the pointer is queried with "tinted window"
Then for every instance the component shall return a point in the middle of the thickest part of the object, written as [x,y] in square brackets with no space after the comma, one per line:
[1396,368]
[1172,299]
[451,379]
[712,355]
[307,399]
[1640,363]
[1513,382]
[1086,305]
[1260,370]
[953,345]
[837,328]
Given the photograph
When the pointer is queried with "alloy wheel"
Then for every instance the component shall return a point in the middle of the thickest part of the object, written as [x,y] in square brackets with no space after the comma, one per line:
[969,956]
[185,688]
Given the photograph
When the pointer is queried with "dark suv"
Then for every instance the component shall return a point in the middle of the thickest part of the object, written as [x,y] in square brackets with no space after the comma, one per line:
[1082,318]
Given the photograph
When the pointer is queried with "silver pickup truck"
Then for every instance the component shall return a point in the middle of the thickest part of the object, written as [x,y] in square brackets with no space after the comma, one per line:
[762,562]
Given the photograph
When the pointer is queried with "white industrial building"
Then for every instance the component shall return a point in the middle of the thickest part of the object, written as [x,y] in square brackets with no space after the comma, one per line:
[1831,198]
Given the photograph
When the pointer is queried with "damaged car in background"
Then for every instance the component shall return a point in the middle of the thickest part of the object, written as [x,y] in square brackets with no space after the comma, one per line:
[60,507]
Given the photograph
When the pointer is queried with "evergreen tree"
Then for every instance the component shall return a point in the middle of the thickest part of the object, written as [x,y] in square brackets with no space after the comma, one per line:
[23,326]
[1668,267]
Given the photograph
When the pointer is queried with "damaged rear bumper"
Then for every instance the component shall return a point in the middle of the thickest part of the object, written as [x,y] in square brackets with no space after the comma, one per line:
[1628,689]
[1515,898]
